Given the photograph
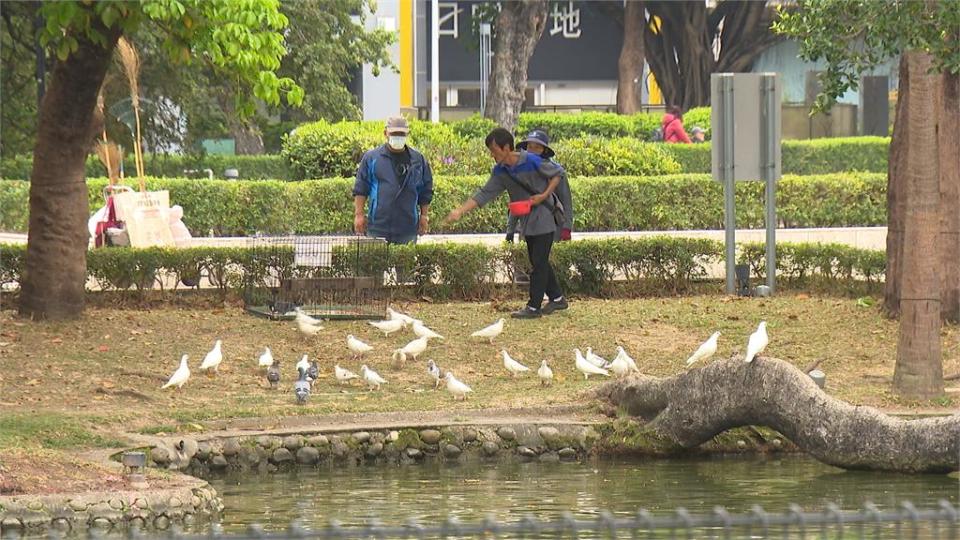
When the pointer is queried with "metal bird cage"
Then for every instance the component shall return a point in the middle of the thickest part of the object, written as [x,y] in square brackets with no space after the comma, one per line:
[333,277]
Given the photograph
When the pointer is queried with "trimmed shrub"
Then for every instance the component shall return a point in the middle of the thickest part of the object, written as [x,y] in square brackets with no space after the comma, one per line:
[593,156]
[659,265]
[630,203]
[322,149]
[262,167]
[474,127]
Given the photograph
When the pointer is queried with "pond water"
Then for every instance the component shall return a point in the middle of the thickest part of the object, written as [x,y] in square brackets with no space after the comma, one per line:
[509,491]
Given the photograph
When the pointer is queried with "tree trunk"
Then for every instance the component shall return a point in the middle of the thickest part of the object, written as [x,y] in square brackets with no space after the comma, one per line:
[919,369]
[896,195]
[55,269]
[630,63]
[680,52]
[519,27]
[948,139]
[691,408]
[246,136]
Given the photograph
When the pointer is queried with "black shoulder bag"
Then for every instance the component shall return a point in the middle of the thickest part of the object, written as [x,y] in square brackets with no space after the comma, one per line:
[554,204]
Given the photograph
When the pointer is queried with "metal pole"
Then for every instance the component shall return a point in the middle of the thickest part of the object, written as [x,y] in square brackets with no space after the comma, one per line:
[729,184]
[435,61]
[768,116]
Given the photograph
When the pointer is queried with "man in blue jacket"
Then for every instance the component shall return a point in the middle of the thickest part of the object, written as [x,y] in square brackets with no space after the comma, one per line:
[393,190]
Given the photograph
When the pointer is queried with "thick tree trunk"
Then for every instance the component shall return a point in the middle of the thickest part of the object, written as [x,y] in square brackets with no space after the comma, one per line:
[55,268]
[948,140]
[630,63]
[691,408]
[518,27]
[919,369]
[896,195]
[680,52]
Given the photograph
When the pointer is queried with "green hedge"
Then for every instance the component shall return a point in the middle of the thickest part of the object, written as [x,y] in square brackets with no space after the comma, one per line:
[469,271]
[264,167]
[637,203]
[562,126]
[815,156]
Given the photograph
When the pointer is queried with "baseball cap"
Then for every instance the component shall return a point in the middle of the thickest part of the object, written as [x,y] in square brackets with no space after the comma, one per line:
[397,124]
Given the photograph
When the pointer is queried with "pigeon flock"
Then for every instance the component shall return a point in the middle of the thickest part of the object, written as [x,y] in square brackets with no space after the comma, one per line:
[309,371]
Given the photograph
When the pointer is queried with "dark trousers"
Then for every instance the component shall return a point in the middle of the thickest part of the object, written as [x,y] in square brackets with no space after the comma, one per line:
[542,278]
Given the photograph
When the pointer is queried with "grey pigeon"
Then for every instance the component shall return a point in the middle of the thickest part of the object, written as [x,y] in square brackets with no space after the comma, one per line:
[313,372]
[302,388]
[273,373]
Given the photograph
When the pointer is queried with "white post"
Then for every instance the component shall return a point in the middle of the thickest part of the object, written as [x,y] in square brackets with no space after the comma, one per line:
[435,61]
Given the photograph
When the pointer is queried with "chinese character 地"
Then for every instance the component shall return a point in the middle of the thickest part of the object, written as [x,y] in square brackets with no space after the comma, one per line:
[567,21]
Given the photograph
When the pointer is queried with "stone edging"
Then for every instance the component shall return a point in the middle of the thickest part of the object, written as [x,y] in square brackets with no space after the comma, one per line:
[405,446]
[148,508]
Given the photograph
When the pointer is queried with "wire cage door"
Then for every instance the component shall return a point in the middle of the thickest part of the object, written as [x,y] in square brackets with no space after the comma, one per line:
[333,277]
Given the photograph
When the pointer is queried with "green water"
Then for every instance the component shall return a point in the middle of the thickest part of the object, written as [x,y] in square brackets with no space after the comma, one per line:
[470,491]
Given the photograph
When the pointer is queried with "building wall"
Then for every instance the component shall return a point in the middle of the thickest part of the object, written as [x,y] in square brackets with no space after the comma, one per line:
[381,94]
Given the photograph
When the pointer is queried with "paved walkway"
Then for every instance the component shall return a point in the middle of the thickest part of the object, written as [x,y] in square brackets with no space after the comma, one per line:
[861,237]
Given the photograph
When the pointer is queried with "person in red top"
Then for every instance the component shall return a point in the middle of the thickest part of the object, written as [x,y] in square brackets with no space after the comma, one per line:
[672,125]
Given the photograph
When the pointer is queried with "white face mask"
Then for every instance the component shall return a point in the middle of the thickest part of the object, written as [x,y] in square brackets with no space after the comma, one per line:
[397,142]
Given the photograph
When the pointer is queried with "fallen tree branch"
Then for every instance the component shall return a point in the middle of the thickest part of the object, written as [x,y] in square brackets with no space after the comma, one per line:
[693,407]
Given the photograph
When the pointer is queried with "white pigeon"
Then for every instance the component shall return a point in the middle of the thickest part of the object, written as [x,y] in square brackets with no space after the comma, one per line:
[490,332]
[358,347]
[394,315]
[435,373]
[303,364]
[213,358]
[619,366]
[587,368]
[372,377]
[757,343]
[545,373]
[622,354]
[596,359]
[343,375]
[307,325]
[266,359]
[415,348]
[179,376]
[422,331]
[706,349]
[515,368]
[388,326]
[306,319]
[456,387]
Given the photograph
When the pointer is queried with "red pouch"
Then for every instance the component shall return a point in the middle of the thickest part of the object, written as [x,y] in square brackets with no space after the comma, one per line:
[520,208]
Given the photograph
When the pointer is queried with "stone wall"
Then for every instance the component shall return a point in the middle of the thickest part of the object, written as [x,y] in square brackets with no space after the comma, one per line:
[405,446]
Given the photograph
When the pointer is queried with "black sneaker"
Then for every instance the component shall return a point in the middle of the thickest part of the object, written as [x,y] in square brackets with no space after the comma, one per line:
[527,312]
[554,306]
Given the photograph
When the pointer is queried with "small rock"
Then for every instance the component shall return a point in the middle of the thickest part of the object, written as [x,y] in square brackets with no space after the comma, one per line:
[567,453]
[175,502]
[741,443]
[140,503]
[378,437]
[160,455]
[507,433]
[430,436]
[231,447]
[452,451]
[393,436]
[195,502]
[549,457]
[308,455]
[490,448]
[266,441]
[469,435]
[252,456]
[101,523]
[339,448]
[37,505]
[375,449]
[61,524]
[116,504]
[10,523]
[188,447]
[281,455]
[203,450]
[549,434]
[161,522]
[218,462]
[292,443]
[361,436]
[78,506]
[777,443]
[526,451]
[318,440]
[414,453]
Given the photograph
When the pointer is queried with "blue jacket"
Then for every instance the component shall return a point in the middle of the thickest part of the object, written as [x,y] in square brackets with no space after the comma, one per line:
[393,210]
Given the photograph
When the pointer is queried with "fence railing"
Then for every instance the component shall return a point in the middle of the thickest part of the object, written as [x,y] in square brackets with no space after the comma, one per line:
[903,521]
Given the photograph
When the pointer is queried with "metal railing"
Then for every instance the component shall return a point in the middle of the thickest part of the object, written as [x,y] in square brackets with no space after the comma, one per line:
[904,521]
